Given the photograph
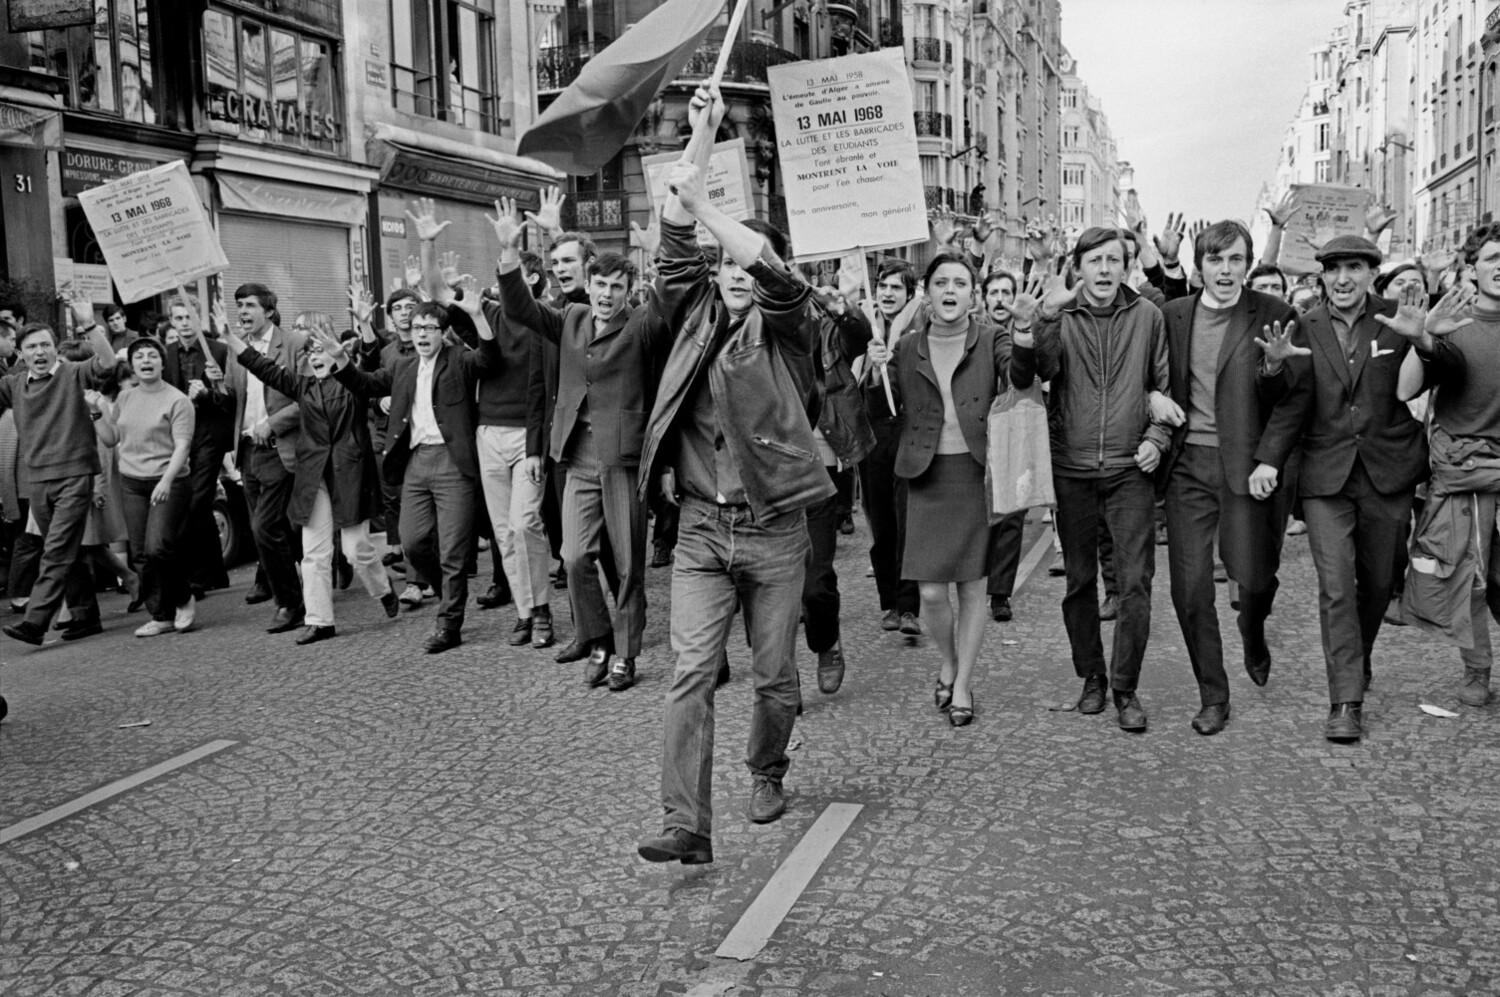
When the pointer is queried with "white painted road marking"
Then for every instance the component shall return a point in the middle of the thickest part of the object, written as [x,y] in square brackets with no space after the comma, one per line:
[780,894]
[103,793]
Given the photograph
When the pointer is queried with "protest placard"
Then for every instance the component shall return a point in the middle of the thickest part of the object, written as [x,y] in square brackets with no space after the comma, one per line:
[727,182]
[1320,212]
[848,149]
[153,231]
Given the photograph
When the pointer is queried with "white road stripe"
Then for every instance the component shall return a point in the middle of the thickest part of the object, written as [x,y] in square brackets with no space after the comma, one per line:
[1033,558]
[103,793]
[780,894]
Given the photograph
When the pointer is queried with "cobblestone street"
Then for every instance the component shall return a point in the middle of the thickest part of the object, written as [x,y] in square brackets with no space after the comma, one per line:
[393,823]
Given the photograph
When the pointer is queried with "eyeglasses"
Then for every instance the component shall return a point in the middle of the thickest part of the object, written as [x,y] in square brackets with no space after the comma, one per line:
[429,326]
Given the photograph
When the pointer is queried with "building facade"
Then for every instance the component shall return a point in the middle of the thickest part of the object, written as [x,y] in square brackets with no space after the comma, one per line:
[1090,184]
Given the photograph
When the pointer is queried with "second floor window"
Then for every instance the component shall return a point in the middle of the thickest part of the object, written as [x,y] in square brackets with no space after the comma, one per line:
[109,65]
[443,62]
[271,84]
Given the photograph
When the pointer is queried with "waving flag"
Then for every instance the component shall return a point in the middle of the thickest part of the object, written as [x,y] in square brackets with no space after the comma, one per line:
[593,118]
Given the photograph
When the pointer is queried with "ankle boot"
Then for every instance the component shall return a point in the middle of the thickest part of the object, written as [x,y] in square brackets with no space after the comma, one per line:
[1474,690]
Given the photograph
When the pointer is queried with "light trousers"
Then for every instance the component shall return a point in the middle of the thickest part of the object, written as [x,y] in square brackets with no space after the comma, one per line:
[515,507]
[317,560]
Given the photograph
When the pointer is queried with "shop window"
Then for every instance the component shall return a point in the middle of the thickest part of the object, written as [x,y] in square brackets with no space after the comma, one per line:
[443,62]
[109,65]
[271,84]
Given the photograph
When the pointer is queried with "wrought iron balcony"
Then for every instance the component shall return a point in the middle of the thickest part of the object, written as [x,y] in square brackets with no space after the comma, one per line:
[934,124]
[926,49]
[934,197]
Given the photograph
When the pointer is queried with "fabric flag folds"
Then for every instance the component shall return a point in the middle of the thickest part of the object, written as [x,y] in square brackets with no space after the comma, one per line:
[594,117]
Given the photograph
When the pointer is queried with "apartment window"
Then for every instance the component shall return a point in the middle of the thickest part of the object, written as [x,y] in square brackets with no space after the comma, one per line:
[932,172]
[927,96]
[443,62]
[1070,137]
[1322,138]
[1072,212]
[271,84]
[1320,171]
[109,65]
[1072,176]
[1070,98]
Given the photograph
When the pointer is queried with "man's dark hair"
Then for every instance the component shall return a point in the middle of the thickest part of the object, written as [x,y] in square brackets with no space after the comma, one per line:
[1482,234]
[1219,238]
[586,245]
[944,258]
[262,294]
[15,308]
[899,268]
[773,235]
[431,309]
[993,276]
[399,295]
[609,264]
[1095,237]
[532,265]
[111,310]
[1267,270]
[31,327]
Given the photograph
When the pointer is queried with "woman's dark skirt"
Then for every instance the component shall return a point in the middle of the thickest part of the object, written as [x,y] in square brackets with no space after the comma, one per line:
[947,523]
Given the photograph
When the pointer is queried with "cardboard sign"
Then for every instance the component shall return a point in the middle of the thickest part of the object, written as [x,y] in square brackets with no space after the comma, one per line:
[1320,212]
[728,180]
[153,231]
[848,151]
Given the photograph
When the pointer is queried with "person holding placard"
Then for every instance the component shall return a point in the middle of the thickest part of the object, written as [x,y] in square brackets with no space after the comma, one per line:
[61,451]
[945,374]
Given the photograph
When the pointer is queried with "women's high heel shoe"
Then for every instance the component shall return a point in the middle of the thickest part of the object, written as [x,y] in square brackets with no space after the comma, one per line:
[961,716]
[942,696]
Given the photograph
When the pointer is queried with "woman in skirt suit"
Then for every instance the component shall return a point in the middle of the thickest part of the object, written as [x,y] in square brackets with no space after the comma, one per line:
[944,374]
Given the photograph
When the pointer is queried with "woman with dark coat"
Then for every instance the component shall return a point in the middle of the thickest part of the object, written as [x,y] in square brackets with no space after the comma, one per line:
[945,374]
[336,484]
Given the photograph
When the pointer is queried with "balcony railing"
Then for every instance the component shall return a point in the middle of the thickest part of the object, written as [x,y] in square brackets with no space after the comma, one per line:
[559,66]
[934,124]
[926,49]
[948,54]
[594,212]
[968,72]
[934,197]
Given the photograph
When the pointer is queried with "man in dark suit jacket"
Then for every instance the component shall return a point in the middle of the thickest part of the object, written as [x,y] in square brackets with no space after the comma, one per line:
[202,377]
[1363,455]
[430,448]
[1217,380]
[605,389]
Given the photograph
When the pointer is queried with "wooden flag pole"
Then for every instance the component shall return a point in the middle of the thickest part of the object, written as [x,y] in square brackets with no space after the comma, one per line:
[735,20]
[885,371]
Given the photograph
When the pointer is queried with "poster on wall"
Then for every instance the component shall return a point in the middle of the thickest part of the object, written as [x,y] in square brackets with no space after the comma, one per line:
[727,183]
[153,231]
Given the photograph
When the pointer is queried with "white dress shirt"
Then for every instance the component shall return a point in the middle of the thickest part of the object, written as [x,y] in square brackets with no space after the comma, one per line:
[424,426]
[255,389]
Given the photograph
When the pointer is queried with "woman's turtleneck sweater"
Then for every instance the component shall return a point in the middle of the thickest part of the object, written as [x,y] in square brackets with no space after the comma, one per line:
[946,348]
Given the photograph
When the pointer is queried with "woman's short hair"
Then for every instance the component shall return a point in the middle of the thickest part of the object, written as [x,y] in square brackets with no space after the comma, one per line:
[144,343]
[942,259]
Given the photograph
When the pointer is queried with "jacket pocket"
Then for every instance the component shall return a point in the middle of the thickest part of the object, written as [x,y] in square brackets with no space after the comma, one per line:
[782,448]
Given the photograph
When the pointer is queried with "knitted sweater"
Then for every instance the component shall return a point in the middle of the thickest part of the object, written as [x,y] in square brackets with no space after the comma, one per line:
[502,394]
[52,418]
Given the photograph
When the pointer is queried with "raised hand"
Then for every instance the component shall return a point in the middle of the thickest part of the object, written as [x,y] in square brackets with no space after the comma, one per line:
[1038,243]
[1410,319]
[83,311]
[507,223]
[648,239]
[1281,212]
[1056,294]
[1169,243]
[1323,231]
[361,304]
[424,218]
[470,301]
[706,108]
[1378,219]
[331,345]
[549,216]
[1277,346]
[413,272]
[944,228]
[686,180]
[984,227]
[1195,232]
[878,353]
[219,317]
[448,268]
[1452,312]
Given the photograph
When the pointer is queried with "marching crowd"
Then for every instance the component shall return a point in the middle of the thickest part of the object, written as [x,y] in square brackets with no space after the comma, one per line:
[733,403]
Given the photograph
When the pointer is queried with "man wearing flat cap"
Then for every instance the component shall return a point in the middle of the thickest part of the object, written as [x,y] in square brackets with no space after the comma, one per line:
[1363,456]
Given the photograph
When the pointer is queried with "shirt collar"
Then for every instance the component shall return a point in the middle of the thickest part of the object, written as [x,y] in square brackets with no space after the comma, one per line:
[32,375]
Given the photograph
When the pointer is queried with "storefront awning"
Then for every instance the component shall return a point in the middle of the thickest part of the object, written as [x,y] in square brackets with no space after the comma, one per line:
[267,197]
[30,127]
[427,164]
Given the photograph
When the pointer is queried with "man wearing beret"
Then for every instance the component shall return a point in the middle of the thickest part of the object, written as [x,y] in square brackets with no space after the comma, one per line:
[1364,454]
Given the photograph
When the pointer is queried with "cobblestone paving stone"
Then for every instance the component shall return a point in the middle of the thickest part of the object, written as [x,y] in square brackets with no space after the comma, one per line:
[393,823]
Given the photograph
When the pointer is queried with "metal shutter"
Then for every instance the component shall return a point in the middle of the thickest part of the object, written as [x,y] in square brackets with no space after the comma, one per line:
[306,265]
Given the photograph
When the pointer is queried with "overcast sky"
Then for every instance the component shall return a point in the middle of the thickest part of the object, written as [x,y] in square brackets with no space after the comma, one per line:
[1198,92]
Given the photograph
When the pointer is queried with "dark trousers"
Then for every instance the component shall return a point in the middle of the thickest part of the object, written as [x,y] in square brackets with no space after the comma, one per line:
[602,498]
[61,509]
[820,586]
[204,558]
[1126,500]
[664,527]
[552,492]
[156,533]
[437,521]
[1353,537]
[1005,554]
[268,489]
[1200,509]
[885,508]
[843,480]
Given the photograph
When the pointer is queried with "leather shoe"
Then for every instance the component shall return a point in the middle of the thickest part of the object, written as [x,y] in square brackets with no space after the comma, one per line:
[910,625]
[493,596]
[314,634]
[285,620]
[1258,664]
[596,669]
[391,603]
[677,845]
[621,674]
[1211,719]
[442,639]
[257,594]
[1000,609]
[891,620]
[26,632]
[576,651]
[1111,608]
[541,627]
[767,801]
[661,555]
[343,574]
[82,629]
[521,633]
[1345,724]
[1092,700]
[1132,713]
[830,670]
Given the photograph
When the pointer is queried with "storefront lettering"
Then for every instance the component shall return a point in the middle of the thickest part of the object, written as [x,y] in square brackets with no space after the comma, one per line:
[283,116]
[405,173]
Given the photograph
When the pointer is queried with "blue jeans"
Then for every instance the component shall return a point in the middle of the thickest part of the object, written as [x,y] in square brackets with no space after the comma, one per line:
[724,555]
